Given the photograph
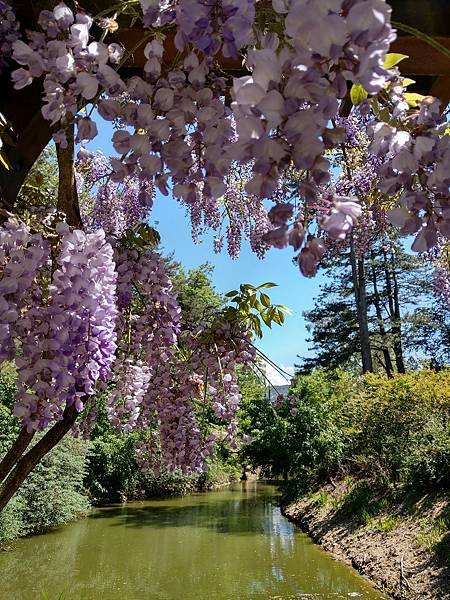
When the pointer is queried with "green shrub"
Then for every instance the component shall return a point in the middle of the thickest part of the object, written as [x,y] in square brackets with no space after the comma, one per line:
[300,440]
[369,427]
[405,427]
[112,474]
[53,493]
[221,471]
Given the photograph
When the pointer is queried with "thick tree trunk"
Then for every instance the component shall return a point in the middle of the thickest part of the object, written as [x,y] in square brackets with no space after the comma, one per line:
[360,293]
[377,303]
[28,461]
[67,189]
[24,138]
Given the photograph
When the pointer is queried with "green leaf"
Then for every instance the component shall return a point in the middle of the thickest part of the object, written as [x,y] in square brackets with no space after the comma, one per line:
[358,94]
[382,114]
[407,81]
[231,294]
[265,300]
[276,318]
[246,287]
[267,320]
[258,306]
[281,316]
[393,59]
[284,308]
[267,285]
[413,99]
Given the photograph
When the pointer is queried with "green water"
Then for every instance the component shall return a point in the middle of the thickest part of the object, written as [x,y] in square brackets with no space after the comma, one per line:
[228,545]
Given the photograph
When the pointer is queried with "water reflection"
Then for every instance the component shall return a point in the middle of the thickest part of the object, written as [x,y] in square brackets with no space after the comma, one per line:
[233,544]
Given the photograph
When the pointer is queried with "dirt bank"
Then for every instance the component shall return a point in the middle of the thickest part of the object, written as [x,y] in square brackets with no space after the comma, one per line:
[400,542]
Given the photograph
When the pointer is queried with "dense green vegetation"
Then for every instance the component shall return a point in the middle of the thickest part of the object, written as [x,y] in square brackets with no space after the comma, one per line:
[373,450]
[396,430]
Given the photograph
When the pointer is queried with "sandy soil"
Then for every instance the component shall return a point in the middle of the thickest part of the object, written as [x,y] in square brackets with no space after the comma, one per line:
[399,561]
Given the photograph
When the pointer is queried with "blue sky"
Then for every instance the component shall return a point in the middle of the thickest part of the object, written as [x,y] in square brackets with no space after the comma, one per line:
[281,344]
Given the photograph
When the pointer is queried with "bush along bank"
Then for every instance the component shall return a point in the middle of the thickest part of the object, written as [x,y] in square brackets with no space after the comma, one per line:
[367,467]
[113,475]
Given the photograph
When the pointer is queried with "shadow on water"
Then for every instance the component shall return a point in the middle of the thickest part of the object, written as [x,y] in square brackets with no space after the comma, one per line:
[242,516]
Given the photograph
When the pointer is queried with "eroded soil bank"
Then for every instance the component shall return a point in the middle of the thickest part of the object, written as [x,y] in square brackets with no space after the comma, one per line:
[401,542]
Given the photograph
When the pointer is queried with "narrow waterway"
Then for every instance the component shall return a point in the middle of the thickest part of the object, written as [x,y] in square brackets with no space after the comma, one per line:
[228,545]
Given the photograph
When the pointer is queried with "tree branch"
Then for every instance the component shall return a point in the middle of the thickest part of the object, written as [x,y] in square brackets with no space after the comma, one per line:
[67,189]
[29,460]
[15,452]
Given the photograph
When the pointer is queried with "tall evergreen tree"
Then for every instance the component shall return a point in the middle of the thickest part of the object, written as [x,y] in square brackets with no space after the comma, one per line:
[402,322]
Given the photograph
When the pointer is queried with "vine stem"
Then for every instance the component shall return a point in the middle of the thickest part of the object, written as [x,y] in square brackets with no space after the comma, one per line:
[422,36]
[118,6]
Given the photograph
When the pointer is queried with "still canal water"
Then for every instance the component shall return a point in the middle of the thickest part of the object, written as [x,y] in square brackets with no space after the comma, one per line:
[228,545]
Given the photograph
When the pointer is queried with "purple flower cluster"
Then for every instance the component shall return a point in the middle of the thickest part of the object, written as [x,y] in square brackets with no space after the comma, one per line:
[441,284]
[124,405]
[215,25]
[66,329]
[158,385]
[9,33]
[217,351]
[157,325]
[171,402]
[22,256]
[117,206]
[84,289]
[207,374]
[417,168]
[294,90]
[73,67]
[352,127]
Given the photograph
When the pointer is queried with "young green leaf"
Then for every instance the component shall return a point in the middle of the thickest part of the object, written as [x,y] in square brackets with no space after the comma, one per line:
[284,308]
[393,59]
[413,99]
[267,320]
[269,284]
[358,94]
[265,300]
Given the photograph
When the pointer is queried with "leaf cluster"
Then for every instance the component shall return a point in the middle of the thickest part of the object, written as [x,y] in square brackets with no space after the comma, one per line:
[254,307]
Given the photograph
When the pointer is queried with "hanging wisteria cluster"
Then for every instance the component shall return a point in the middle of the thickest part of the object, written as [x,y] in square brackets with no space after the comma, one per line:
[79,317]
[9,33]
[441,284]
[117,207]
[58,318]
[178,130]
